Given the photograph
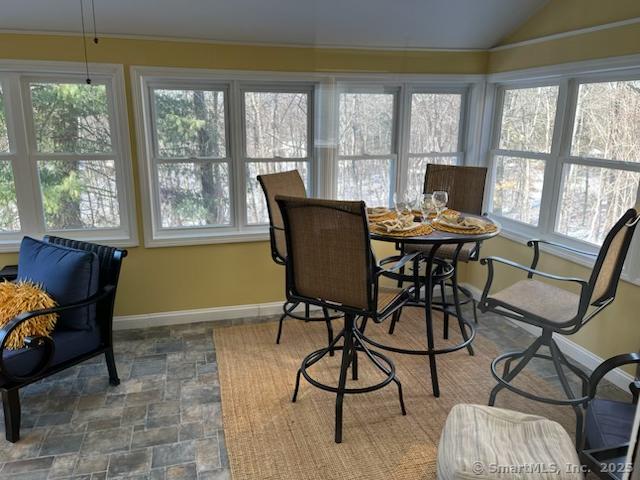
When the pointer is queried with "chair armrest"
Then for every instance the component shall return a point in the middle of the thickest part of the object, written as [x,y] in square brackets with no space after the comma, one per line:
[9,272]
[403,260]
[535,243]
[489,261]
[532,271]
[10,326]
[608,365]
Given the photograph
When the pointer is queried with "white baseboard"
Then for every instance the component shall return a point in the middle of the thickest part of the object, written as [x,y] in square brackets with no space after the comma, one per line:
[576,352]
[180,317]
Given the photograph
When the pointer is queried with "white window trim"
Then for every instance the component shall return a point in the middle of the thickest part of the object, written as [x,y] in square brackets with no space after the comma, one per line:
[15,74]
[568,77]
[324,124]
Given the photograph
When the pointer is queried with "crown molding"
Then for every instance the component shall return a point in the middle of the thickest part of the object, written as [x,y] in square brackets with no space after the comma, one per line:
[570,33]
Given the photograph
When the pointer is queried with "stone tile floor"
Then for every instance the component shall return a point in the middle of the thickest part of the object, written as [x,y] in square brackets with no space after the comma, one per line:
[163,422]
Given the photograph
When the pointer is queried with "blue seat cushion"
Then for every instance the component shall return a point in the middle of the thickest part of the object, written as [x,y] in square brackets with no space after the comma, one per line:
[67,274]
[608,422]
[68,344]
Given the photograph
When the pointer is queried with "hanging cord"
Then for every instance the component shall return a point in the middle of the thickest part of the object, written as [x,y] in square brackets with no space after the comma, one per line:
[95,29]
[84,43]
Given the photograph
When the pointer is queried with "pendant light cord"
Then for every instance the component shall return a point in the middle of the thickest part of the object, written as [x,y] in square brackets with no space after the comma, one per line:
[84,42]
[95,29]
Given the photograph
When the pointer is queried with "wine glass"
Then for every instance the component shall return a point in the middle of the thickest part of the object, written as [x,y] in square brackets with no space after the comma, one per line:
[426,206]
[440,200]
[398,203]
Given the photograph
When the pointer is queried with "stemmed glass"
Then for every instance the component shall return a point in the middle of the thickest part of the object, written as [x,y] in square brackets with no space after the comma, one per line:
[401,203]
[426,206]
[440,200]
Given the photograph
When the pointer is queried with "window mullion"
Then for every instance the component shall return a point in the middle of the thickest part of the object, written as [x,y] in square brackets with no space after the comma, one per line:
[403,127]
[550,200]
[236,143]
[24,166]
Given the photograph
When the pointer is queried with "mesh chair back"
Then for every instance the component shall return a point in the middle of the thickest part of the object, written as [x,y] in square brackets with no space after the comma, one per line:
[285,183]
[465,185]
[608,267]
[330,257]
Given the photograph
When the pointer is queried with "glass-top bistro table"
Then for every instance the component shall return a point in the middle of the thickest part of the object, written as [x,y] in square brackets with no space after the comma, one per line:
[440,270]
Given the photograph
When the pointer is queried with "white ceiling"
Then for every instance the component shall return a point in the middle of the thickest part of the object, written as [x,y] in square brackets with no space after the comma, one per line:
[450,24]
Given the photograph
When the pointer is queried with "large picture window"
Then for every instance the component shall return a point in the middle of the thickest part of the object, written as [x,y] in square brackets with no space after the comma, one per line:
[64,160]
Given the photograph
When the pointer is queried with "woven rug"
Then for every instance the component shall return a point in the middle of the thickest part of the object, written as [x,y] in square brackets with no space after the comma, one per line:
[268,437]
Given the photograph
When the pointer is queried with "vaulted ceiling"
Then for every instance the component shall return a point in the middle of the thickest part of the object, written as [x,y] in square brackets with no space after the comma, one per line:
[437,24]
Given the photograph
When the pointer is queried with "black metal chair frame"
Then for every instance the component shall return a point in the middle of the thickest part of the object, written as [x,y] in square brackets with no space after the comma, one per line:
[289,307]
[594,380]
[558,359]
[109,258]
[442,272]
[354,340]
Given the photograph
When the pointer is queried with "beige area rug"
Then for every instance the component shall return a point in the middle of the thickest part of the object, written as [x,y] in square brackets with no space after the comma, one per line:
[268,437]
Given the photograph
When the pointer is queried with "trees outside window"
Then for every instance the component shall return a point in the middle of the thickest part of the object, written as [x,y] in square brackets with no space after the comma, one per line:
[63,161]
[574,147]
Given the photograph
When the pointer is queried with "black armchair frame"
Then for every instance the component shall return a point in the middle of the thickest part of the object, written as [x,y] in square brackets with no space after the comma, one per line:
[588,307]
[110,260]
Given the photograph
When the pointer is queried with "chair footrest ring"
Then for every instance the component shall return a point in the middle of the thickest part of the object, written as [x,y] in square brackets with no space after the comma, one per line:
[507,384]
[329,388]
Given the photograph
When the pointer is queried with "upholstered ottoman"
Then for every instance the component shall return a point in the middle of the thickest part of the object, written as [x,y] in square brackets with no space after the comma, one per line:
[480,442]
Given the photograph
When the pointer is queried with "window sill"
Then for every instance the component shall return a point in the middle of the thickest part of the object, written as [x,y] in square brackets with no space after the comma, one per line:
[182,239]
[583,260]
[13,245]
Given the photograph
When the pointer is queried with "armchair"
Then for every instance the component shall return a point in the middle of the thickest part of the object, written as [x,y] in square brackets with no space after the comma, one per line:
[84,328]
[556,310]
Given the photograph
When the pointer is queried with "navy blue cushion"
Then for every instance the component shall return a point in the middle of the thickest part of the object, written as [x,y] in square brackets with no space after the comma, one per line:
[67,274]
[68,344]
[608,423]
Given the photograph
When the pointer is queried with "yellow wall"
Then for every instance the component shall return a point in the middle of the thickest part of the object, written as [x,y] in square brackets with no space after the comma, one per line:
[559,16]
[180,278]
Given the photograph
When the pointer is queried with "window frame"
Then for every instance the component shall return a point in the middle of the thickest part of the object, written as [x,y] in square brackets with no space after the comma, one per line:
[237,82]
[16,77]
[155,159]
[277,87]
[568,78]
[324,124]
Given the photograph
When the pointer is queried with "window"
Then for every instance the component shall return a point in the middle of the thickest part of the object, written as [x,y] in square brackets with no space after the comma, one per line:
[206,136]
[524,147]
[436,126]
[566,161]
[595,194]
[9,217]
[191,160]
[278,128]
[63,166]
[366,146]
[207,139]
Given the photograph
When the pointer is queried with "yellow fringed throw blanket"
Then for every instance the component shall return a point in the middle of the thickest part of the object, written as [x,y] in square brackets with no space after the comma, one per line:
[21,297]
